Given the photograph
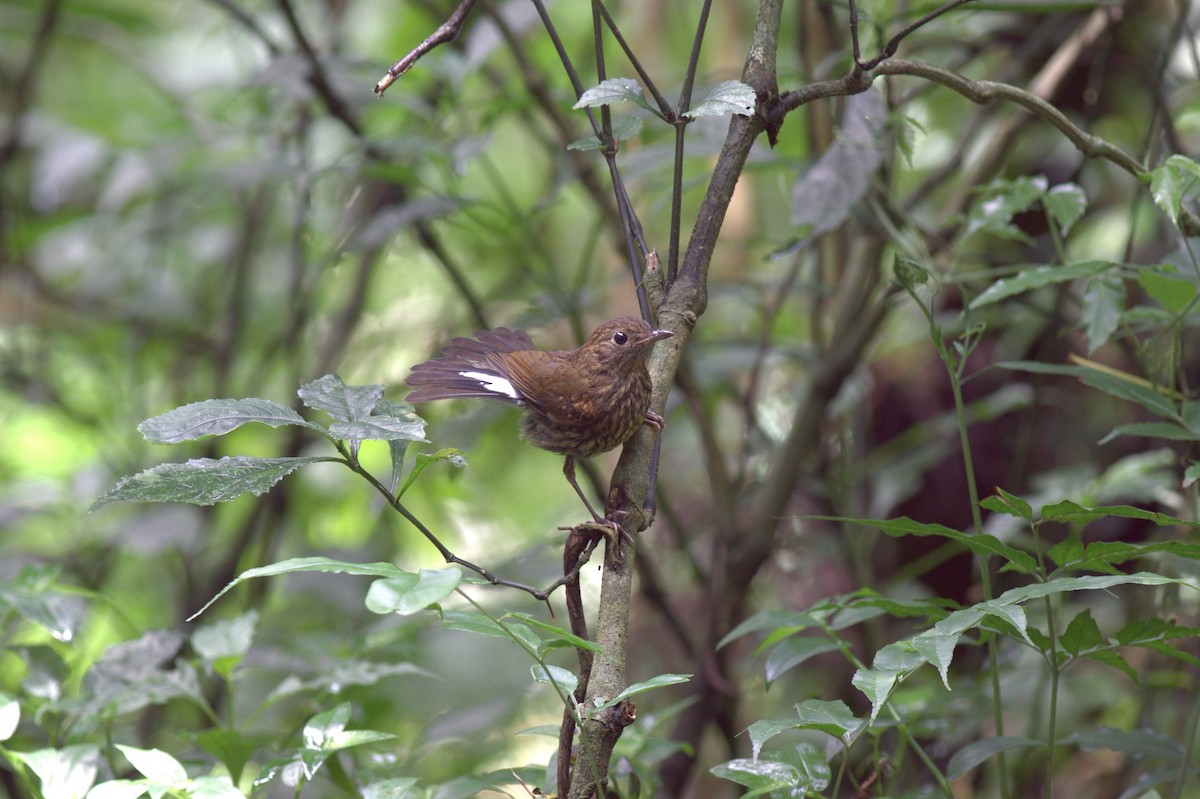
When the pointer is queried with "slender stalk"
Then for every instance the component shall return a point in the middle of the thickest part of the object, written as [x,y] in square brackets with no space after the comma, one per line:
[954,370]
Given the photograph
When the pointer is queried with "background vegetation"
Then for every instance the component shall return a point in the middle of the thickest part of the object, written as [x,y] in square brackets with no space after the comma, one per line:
[926,497]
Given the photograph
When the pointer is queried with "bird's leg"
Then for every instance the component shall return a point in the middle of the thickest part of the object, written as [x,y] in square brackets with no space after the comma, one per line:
[613,527]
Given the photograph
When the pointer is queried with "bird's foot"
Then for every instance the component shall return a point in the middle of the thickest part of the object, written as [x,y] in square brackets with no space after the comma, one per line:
[612,531]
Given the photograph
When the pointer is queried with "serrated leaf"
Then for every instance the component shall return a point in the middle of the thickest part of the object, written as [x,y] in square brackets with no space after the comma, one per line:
[379,428]
[939,651]
[203,481]
[1066,551]
[1114,659]
[730,97]
[217,417]
[1082,633]
[834,717]
[1035,277]
[329,565]
[877,684]
[613,90]
[979,752]
[409,593]
[342,402]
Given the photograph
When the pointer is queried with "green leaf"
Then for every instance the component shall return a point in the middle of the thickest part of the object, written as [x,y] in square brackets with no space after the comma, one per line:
[1114,659]
[229,746]
[473,622]
[979,752]
[342,402]
[10,716]
[1103,305]
[35,594]
[999,202]
[454,456]
[1061,585]
[394,788]
[613,90]
[938,650]
[1035,277]
[877,684]
[1172,292]
[1009,504]
[730,97]
[760,776]
[321,728]
[658,681]
[213,786]
[230,638]
[769,620]
[1082,633]
[1070,512]
[65,773]
[1066,204]
[791,652]
[834,718]
[119,789]
[1066,551]
[555,675]
[556,633]
[217,417]
[983,545]
[624,128]
[1138,744]
[1167,430]
[1169,182]
[203,481]
[379,428]
[409,593]
[155,765]
[328,565]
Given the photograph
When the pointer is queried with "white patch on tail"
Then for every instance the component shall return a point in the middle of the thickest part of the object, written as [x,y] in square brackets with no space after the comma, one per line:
[494,383]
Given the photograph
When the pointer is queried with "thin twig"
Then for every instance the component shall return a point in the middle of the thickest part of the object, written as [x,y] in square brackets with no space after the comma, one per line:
[446,32]
[663,106]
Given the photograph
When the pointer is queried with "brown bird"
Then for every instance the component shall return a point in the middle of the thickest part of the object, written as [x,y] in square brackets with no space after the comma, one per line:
[577,402]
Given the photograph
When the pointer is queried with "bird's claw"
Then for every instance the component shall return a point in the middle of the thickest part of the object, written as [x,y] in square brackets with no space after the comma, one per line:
[612,531]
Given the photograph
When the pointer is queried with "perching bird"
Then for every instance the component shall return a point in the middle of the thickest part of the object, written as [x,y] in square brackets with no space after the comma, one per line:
[577,402]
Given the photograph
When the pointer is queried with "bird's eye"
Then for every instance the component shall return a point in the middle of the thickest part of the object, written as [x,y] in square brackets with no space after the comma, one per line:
[620,337]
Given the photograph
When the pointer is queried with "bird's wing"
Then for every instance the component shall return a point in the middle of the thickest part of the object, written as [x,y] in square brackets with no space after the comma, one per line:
[550,386]
[471,368]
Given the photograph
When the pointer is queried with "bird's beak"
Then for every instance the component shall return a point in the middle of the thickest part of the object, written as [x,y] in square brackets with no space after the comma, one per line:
[656,335]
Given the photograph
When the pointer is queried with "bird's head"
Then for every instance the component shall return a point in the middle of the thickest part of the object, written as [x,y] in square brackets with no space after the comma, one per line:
[623,342]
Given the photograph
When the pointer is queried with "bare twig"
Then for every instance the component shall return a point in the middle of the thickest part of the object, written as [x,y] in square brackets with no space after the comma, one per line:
[446,32]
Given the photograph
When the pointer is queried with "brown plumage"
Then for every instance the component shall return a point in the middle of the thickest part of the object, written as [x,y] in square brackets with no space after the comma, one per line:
[577,403]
